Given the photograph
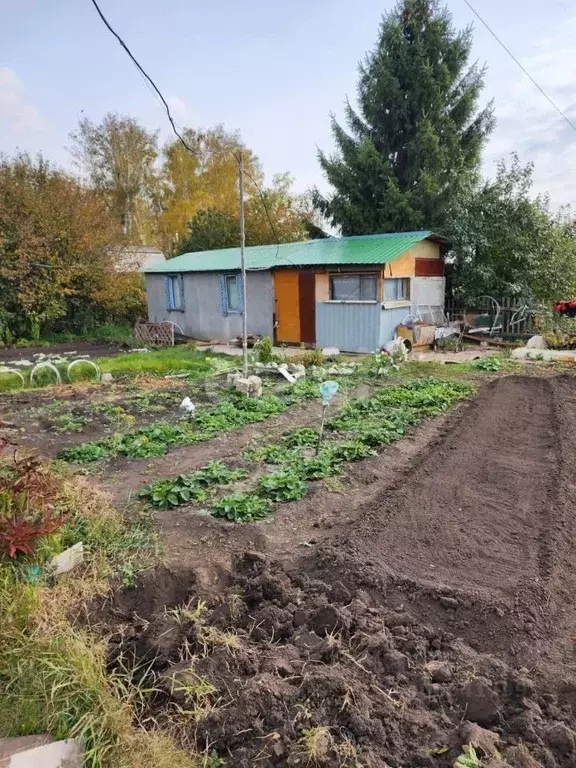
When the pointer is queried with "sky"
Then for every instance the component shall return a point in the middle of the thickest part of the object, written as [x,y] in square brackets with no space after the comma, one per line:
[274,71]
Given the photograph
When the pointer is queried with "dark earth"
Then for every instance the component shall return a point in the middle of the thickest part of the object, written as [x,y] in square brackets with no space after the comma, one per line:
[432,605]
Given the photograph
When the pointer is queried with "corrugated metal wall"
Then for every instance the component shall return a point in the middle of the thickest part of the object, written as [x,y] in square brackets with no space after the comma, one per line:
[389,320]
[348,326]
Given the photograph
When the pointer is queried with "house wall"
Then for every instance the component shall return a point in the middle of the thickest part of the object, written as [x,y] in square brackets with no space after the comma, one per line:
[389,321]
[202,317]
[351,326]
[427,290]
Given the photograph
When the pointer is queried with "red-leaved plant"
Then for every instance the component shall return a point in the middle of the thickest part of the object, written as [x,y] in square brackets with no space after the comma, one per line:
[27,493]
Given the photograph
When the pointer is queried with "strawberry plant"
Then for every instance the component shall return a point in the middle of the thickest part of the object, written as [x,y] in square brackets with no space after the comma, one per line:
[305,436]
[85,452]
[323,465]
[272,454]
[173,493]
[351,450]
[186,488]
[283,485]
[241,508]
[217,473]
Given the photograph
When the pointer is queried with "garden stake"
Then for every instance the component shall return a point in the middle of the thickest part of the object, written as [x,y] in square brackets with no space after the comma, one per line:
[327,391]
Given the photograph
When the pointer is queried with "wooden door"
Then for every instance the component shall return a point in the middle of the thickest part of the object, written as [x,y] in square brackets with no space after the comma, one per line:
[287,297]
[307,301]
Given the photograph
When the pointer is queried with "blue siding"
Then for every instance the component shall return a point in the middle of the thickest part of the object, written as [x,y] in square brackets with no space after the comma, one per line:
[389,320]
[350,327]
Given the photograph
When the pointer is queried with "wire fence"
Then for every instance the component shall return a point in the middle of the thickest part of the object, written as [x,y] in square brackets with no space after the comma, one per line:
[506,316]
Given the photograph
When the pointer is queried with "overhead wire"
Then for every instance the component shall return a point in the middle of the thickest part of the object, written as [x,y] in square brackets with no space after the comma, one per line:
[158,93]
[528,75]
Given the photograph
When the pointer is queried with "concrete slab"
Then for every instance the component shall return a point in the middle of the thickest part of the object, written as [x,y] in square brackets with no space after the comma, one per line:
[466,356]
[40,752]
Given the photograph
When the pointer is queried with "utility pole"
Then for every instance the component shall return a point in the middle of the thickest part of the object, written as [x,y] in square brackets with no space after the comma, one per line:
[243,266]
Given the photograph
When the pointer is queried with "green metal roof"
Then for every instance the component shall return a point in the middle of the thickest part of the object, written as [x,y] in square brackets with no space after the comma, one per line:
[361,249]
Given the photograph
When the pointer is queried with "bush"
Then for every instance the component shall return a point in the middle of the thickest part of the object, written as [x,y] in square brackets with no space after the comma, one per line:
[309,357]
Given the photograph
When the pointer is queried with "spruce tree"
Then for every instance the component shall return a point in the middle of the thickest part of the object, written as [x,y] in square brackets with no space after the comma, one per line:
[417,136]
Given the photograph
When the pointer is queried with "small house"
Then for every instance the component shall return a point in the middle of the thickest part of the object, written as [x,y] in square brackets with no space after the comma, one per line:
[348,292]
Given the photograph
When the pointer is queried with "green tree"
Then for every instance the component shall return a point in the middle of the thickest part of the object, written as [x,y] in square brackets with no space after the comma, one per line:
[508,243]
[119,155]
[55,252]
[417,136]
[273,214]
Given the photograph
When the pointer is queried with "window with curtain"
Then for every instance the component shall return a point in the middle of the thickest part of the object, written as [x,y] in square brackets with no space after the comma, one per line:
[231,302]
[175,293]
[354,287]
[396,288]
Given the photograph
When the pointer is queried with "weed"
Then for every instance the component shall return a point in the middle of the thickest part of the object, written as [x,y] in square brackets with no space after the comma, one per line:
[316,745]
[241,508]
[283,485]
[69,422]
[309,357]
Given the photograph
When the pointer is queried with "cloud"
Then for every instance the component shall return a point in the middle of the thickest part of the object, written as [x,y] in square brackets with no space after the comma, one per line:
[529,124]
[16,115]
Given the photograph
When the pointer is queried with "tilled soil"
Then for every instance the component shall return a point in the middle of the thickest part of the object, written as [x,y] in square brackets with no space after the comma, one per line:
[439,601]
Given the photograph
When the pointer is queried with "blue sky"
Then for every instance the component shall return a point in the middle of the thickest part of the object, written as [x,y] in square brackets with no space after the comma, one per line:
[272,70]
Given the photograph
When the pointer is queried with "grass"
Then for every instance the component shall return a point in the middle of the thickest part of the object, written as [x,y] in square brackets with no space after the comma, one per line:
[160,362]
[108,332]
[54,676]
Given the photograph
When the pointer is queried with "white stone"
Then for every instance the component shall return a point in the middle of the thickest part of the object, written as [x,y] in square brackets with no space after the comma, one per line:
[107,378]
[330,352]
[345,372]
[332,371]
[68,560]
[232,378]
[537,342]
[242,385]
[254,386]
[283,367]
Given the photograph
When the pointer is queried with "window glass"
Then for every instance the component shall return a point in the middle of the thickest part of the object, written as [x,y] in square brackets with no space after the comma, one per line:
[354,288]
[396,289]
[175,292]
[232,293]
[368,288]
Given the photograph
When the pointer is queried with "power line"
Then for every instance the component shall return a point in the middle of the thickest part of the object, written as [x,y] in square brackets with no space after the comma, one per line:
[528,75]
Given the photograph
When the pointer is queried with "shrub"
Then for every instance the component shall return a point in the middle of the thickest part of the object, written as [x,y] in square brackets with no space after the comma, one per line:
[283,485]
[263,350]
[309,357]
[241,508]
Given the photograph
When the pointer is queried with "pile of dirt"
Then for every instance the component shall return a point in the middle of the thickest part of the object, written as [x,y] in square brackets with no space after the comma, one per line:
[284,670]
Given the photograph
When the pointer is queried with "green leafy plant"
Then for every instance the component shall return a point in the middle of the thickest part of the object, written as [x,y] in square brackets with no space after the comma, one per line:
[173,493]
[191,487]
[351,450]
[217,473]
[272,454]
[263,350]
[488,364]
[468,758]
[241,508]
[85,452]
[304,436]
[309,357]
[283,485]
[69,422]
[325,464]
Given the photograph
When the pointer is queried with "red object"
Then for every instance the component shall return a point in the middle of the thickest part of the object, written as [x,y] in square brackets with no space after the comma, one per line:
[18,535]
[429,268]
[566,307]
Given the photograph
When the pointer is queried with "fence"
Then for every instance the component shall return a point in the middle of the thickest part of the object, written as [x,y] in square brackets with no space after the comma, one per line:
[510,316]
[155,333]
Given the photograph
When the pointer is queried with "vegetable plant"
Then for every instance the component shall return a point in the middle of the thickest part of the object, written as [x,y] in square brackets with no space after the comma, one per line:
[325,464]
[283,485]
[241,508]
[305,436]
[351,450]
[191,487]
[272,454]
[488,364]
